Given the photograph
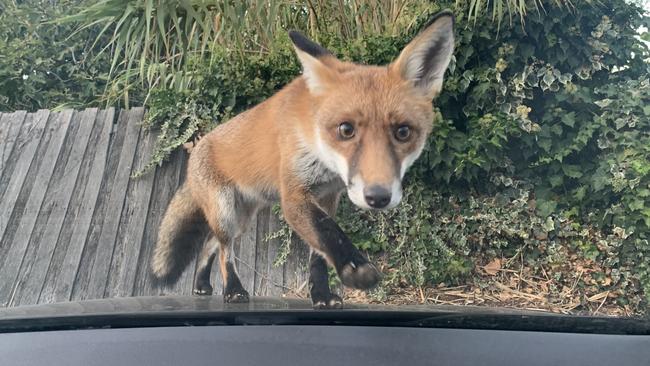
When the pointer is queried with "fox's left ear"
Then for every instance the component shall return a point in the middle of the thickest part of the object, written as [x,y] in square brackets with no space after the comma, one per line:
[425,59]
[312,57]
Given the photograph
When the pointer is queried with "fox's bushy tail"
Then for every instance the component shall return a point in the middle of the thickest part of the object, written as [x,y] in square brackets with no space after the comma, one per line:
[181,234]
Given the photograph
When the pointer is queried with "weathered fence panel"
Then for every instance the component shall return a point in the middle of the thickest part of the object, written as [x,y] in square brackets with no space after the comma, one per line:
[75,224]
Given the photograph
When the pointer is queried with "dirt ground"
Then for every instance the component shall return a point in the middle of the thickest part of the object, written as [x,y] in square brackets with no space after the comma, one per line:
[512,293]
[495,295]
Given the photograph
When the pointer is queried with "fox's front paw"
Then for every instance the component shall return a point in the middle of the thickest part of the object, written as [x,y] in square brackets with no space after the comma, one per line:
[362,276]
[326,301]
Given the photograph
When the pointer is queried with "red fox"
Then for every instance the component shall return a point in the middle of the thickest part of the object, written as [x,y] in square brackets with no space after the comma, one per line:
[337,127]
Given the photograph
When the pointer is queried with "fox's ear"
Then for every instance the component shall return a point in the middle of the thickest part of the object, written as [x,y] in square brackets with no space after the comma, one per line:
[425,59]
[311,56]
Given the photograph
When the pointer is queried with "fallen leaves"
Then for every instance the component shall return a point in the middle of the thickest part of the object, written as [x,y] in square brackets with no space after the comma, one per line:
[566,288]
[492,268]
[598,297]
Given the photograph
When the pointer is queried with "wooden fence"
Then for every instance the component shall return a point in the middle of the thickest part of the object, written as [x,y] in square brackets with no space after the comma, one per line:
[75,224]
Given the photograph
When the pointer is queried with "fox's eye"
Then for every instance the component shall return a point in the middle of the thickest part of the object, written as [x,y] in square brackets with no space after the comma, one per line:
[402,133]
[346,131]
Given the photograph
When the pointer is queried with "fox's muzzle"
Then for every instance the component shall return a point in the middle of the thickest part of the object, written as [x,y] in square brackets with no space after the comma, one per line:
[375,196]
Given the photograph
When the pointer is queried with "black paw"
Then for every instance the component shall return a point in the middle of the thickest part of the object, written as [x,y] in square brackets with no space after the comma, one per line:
[359,274]
[238,296]
[203,289]
[327,302]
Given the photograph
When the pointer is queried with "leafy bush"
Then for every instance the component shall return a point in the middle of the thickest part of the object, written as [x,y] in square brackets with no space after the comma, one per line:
[560,103]
[449,238]
[39,66]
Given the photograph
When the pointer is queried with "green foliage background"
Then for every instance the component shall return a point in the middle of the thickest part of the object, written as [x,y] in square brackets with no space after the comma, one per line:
[540,153]
[40,67]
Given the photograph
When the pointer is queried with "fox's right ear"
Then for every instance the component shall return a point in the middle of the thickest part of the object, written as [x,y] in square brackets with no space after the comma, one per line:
[424,60]
[311,55]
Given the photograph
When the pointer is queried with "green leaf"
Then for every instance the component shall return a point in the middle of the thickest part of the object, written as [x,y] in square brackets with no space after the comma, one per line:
[557,129]
[526,50]
[545,144]
[646,216]
[556,180]
[599,180]
[636,205]
[580,192]
[569,119]
[545,208]
[646,110]
[573,171]
[549,224]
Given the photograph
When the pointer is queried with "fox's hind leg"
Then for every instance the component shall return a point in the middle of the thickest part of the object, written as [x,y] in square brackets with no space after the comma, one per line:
[319,288]
[228,216]
[206,259]
[233,291]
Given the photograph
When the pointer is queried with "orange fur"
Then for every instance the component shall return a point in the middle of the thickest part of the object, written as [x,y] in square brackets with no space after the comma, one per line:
[290,148]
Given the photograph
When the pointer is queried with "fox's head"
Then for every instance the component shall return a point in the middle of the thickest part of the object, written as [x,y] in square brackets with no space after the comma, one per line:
[371,122]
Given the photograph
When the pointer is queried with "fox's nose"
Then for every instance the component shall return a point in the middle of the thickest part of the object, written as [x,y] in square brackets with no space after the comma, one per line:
[376,196]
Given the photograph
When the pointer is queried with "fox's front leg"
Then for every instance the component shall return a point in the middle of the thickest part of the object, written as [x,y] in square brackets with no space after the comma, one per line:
[321,294]
[326,238]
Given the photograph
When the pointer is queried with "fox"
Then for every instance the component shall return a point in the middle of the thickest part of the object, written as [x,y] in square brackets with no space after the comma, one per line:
[338,127]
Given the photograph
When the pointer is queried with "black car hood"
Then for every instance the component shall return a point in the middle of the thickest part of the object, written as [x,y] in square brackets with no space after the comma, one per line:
[132,312]
[171,304]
